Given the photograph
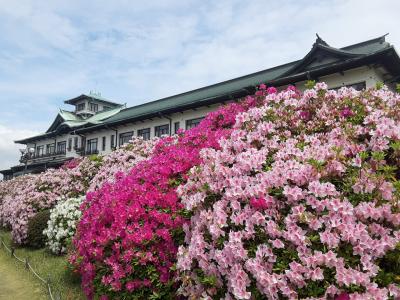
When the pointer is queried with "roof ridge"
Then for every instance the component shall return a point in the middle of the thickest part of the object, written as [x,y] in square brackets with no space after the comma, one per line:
[381,39]
[324,44]
[213,85]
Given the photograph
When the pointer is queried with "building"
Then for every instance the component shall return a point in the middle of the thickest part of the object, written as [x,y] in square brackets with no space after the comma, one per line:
[98,125]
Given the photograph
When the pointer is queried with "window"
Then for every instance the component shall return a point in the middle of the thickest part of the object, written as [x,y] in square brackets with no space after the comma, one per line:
[93,107]
[106,107]
[75,142]
[61,147]
[112,142]
[176,127]
[125,137]
[193,123]
[91,146]
[69,144]
[161,130]
[103,144]
[39,150]
[357,86]
[80,106]
[144,133]
[50,148]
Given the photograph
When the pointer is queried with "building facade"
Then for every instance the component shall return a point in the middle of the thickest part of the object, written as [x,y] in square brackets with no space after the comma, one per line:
[97,125]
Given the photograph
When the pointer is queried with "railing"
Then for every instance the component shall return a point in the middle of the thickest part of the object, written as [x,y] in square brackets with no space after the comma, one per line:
[79,149]
[91,152]
[28,267]
[34,156]
[84,152]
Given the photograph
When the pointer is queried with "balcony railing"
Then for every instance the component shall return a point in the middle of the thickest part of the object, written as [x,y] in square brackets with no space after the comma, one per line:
[91,152]
[41,156]
[79,150]
[84,152]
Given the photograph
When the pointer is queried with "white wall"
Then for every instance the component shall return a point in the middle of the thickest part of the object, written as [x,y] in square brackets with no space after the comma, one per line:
[370,75]
[177,117]
[60,138]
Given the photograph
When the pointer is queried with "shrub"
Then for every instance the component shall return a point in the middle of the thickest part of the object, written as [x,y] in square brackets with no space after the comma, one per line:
[121,160]
[62,224]
[22,197]
[127,239]
[301,201]
[29,194]
[36,225]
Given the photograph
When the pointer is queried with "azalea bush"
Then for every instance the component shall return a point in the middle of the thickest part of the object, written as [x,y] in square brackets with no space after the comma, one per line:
[121,160]
[22,197]
[128,237]
[301,200]
[29,194]
[62,224]
[8,191]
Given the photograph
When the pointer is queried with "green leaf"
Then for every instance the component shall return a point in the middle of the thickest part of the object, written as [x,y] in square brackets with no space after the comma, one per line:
[379,85]
[310,84]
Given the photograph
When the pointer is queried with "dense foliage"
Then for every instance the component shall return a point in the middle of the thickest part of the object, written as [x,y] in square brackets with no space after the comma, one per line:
[62,224]
[36,225]
[128,237]
[302,200]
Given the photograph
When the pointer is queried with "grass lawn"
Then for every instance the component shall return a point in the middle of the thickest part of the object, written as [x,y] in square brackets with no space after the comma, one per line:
[48,266]
[16,283]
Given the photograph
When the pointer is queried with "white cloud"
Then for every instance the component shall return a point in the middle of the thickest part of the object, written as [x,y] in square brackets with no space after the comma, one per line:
[10,153]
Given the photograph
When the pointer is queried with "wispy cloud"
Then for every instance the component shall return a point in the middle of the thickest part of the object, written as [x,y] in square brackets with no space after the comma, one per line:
[136,51]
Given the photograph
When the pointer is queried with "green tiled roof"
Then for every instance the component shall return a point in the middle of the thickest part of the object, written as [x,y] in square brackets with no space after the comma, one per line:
[91,96]
[68,116]
[203,95]
[69,120]
[321,60]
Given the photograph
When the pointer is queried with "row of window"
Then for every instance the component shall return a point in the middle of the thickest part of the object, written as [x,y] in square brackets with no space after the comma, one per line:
[124,138]
[92,144]
[51,148]
[94,107]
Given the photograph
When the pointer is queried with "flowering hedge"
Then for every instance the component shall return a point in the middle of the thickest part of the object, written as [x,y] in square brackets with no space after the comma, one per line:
[122,160]
[128,237]
[22,197]
[29,194]
[284,195]
[8,191]
[62,224]
[301,200]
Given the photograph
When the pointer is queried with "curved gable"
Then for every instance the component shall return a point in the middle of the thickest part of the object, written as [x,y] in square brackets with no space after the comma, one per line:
[320,54]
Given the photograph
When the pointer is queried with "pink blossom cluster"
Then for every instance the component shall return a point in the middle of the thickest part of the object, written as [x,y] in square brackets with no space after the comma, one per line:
[128,237]
[22,197]
[28,194]
[301,200]
[121,160]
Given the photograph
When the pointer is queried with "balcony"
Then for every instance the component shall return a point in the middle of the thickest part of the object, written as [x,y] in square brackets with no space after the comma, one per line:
[35,157]
[79,150]
[83,152]
[91,152]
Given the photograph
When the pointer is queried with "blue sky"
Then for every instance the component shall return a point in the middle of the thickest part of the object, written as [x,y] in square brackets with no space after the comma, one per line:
[138,51]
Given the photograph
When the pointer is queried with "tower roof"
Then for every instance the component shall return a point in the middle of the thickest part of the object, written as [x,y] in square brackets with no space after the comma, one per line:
[91,96]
